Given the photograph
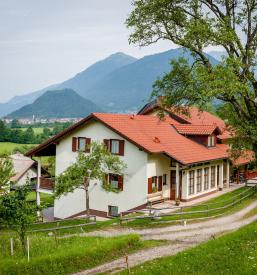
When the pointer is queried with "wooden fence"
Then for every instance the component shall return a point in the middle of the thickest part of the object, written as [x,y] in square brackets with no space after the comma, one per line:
[180,211]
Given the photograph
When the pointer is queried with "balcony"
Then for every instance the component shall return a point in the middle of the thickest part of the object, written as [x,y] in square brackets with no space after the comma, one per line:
[46,184]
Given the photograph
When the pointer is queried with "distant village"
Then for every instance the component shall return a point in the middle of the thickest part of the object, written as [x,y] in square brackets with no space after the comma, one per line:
[35,120]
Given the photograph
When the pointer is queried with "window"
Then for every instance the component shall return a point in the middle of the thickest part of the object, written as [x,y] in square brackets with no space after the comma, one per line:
[113,211]
[154,184]
[199,180]
[116,181]
[81,144]
[212,176]
[191,182]
[206,178]
[115,146]
[211,141]
[164,179]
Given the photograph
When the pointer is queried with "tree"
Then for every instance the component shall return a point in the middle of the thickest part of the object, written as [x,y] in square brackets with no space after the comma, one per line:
[92,166]
[3,131]
[196,24]
[6,172]
[17,213]
[15,124]
[29,135]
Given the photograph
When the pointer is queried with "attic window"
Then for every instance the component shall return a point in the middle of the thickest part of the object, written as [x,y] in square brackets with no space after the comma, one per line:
[211,141]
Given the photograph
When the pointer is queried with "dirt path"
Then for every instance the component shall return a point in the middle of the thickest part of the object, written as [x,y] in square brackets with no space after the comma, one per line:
[179,237]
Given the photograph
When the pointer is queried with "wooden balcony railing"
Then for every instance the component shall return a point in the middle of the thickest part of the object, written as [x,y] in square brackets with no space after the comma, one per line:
[250,174]
[47,183]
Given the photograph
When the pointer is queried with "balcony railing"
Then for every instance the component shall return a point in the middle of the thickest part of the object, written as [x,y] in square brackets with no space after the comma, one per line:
[46,183]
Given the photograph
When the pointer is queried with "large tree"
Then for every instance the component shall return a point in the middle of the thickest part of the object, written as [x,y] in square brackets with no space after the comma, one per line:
[196,25]
[87,167]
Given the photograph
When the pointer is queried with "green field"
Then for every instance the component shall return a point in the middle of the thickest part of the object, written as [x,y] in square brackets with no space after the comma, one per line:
[235,253]
[9,147]
[37,130]
[68,255]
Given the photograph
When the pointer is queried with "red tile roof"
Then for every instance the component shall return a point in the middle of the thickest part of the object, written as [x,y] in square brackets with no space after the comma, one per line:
[192,129]
[194,116]
[149,133]
[246,157]
[143,130]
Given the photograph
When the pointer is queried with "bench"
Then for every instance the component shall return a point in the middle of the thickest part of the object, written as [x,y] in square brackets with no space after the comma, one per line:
[155,197]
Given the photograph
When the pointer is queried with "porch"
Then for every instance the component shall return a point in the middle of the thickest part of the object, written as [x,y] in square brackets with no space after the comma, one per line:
[169,180]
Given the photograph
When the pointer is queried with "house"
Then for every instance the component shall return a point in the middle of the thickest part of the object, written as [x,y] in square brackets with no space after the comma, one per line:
[25,170]
[176,157]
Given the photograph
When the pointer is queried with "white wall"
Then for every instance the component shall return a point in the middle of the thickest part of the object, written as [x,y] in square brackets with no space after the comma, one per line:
[158,165]
[135,179]
[31,173]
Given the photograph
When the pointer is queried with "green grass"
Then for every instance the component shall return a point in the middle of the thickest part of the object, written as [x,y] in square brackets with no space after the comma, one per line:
[235,253]
[47,200]
[37,130]
[9,147]
[211,204]
[68,255]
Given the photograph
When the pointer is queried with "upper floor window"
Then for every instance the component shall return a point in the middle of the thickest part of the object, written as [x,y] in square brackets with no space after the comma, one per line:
[211,141]
[81,144]
[115,146]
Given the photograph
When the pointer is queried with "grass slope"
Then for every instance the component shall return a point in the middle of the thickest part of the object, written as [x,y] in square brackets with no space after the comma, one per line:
[66,255]
[9,147]
[235,253]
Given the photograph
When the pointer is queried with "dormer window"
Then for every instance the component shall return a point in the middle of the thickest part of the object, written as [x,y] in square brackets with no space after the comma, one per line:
[211,141]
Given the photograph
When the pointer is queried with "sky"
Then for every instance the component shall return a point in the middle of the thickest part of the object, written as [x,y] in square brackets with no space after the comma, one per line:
[44,42]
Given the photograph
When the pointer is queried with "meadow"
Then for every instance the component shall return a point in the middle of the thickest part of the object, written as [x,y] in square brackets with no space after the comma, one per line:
[10,147]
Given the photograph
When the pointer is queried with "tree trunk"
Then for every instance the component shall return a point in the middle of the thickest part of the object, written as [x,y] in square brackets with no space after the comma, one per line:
[22,236]
[86,185]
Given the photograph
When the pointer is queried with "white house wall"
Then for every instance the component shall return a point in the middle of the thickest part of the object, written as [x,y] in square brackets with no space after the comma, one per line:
[135,179]
[30,174]
[158,165]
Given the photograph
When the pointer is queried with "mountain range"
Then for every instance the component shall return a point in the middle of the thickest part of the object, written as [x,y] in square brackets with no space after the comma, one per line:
[119,83]
[57,104]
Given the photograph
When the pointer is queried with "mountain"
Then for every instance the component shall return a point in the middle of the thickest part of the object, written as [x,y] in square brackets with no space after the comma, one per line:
[57,104]
[129,87]
[86,78]
[119,83]
[218,54]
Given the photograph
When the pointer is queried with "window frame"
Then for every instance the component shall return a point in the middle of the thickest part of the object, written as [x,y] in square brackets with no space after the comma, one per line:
[191,185]
[164,179]
[198,180]
[206,178]
[115,140]
[213,173]
[211,141]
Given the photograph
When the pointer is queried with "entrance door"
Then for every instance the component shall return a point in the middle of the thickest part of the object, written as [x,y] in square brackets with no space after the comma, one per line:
[172,185]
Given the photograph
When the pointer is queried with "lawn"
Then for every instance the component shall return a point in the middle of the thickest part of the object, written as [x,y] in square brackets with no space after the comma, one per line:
[219,201]
[235,253]
[47,200]
[64,256]
[9,147]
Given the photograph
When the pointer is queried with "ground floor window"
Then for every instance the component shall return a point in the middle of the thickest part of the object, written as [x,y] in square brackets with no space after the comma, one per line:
[212,176]
[113,211]
[206,178]
[199,180]
[191,182]
[164,179]
[116,181]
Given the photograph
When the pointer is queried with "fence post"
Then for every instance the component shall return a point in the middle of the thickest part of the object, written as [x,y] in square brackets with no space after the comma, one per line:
[207,210]
[120,218]
[181,210]
[11,243]
[127,263]
[28,248]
